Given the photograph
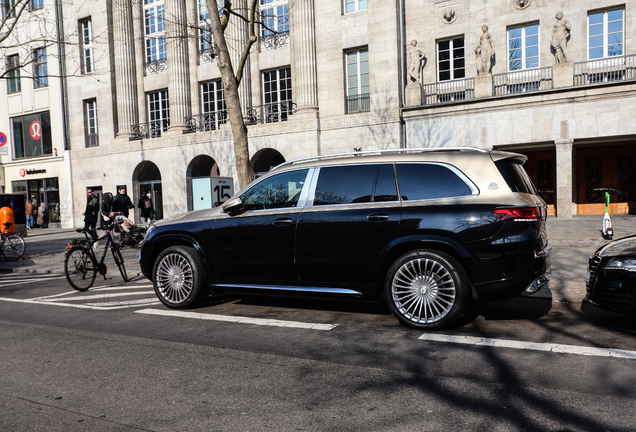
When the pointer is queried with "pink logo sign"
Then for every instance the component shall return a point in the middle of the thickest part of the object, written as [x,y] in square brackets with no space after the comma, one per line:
[35,130]
[22,172]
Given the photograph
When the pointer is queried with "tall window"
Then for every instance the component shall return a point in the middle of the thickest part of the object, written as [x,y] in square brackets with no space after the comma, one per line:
[205,36]
[158,112]
[451,59]
[40,70]
[90,123]
[275,28]
[523,47]
[357,70]
[606,34]
[214,109]
[155,37]
[32,135]
[8,8]
[351,6]
[88,60]
[13,74]
[277,95]
[36,4]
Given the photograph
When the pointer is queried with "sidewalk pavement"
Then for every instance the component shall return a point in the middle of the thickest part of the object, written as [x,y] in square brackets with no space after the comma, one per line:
[573,241]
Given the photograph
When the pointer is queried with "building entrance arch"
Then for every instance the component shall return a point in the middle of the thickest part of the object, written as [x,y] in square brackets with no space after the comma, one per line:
[147,178]
[264,160]
[198,184]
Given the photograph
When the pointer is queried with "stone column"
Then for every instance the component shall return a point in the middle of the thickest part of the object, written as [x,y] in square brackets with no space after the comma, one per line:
[178,67]
[125,67]
[303,55]
[238,31]
[564,171]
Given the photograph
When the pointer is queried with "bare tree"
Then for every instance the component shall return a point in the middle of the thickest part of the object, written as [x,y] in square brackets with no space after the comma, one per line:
[231,74]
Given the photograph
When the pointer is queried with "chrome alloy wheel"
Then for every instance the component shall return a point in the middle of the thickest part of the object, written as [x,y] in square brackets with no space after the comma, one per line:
[174,278]
[423,290]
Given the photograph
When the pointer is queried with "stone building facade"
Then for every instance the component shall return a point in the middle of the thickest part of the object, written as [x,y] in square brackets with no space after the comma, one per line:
[553,80]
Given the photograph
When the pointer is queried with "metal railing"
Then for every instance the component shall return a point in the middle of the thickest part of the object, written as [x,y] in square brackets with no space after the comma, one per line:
[274,41]
[605,70]
[151,129]
[523,81]
[448,91]
[156,66]
[358,104]
[205,122]
[269,113]
[91,140]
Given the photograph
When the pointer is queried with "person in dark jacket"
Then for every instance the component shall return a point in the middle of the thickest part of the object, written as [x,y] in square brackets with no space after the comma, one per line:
[146,209]
[122,202]
[91,213]
[106,210]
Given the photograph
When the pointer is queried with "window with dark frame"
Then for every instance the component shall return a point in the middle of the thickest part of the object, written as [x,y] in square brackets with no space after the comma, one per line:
[88,54]
[214,108]
[32,135]
[158,112]
[277,95]
[40,69]
[36,4]
[357,76]
[91,136]
[13,74]
[451,59]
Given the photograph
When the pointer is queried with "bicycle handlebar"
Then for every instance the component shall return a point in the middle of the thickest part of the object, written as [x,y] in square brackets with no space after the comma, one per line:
[607,190]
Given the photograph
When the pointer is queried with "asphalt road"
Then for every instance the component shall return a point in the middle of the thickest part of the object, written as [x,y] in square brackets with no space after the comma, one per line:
[114,359]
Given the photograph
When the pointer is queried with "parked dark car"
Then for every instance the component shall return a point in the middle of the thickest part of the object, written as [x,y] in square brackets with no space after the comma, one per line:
[422,229]
[611,276]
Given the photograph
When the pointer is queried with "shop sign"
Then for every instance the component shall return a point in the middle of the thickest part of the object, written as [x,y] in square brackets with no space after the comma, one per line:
[35,130]
[22,172]
[36,171]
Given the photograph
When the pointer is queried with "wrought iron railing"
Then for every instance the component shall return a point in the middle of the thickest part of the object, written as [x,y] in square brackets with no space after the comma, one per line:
[151,129]
[274,41]
[156,66]
[605,70]
[524,81]
[205,122]
[91,140]
[358,103]
[270,113]
[449,91]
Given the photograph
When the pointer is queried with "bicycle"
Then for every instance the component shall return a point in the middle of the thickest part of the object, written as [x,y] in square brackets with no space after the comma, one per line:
[12,246]
[81,265]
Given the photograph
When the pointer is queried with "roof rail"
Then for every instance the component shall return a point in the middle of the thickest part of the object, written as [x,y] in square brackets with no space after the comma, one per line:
[384,152]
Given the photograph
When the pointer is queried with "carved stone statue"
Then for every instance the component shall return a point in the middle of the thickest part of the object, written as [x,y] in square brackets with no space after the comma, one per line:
[449,15]
[415,58]
[522,4]
[560,37]
[484,52]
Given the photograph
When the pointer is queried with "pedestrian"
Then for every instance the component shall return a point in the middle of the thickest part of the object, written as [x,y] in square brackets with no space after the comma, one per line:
[29,209]
[122,202]
[43,217]
[91,213]
[146,209]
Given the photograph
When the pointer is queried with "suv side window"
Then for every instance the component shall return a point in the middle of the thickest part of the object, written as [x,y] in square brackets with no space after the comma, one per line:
[278,191]
[385,188]
[345,184]
[429,181]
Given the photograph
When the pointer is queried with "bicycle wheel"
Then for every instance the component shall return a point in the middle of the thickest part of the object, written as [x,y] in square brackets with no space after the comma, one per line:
[13,247]
[119,260]
[80,268]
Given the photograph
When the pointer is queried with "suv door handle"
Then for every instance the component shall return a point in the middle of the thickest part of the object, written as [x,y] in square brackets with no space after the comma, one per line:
[282,221]
[378,217]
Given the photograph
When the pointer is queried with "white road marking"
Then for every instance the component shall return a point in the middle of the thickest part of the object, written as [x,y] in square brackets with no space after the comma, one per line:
[27,281]
[140,302]
[238,319]
[97,296]
[549,347]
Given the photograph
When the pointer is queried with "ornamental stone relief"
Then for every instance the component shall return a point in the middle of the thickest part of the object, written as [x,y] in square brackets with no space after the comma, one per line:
[521,4]
[449,16]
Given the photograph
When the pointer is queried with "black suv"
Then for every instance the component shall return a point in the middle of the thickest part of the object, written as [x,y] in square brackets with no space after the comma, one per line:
[424,230]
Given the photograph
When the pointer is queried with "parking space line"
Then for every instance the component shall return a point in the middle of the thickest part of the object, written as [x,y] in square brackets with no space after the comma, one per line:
[535,346]
[98,296]
[239,319]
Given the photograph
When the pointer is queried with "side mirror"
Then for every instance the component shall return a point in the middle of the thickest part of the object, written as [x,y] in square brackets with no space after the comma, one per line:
[233,205]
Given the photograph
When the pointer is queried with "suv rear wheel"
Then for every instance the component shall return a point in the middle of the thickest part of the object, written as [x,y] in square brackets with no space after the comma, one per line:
[426,289]
[179,279]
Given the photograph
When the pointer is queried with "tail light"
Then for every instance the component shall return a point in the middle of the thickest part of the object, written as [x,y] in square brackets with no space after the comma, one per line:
[519,214]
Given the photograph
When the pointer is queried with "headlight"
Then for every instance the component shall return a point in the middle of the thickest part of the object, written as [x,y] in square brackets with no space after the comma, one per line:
[622,263]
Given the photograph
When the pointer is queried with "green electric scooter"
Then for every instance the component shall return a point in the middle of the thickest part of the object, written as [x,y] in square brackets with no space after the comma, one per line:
[607,231]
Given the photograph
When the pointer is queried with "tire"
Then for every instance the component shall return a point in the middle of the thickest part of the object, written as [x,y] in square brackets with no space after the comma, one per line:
[179,278]
[119,260]
[80,268]
[426,290]
[13,247]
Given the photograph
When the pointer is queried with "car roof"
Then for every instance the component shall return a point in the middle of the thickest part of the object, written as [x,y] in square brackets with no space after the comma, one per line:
[457,155]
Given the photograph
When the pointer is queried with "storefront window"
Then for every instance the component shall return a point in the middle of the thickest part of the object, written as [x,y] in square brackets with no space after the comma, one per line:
[41,190]
[32,135]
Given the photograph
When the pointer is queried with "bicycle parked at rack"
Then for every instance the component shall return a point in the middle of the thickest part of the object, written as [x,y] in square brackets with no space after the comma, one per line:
[12,246]
[81,265]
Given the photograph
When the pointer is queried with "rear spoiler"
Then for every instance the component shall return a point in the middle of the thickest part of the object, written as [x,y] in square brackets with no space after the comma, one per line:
[516,157]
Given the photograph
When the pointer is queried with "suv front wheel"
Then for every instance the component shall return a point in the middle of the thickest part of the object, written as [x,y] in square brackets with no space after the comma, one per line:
[179,278]
[426,289]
